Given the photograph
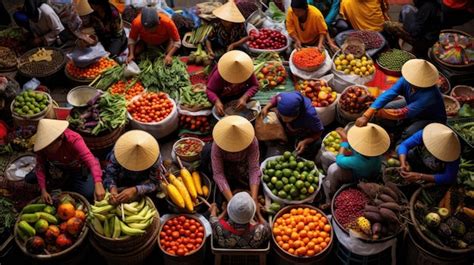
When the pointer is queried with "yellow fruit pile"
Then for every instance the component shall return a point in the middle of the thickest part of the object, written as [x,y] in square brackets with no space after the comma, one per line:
[350,65]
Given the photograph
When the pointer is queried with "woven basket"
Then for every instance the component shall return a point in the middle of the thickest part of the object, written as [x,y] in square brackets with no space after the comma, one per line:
[102,141]
[129,243]
[8,68]
[354,43]
[75,79]
[457,66]
[72,255]
[39,114]
[47,68]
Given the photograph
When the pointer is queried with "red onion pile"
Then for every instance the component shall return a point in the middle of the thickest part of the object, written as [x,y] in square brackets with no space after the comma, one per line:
[372,39]
[349,204]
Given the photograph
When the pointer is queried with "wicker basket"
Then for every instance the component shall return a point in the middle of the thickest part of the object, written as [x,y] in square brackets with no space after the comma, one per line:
[102,141]
[457,66]
[72,255]
[127,243]
[451,101]
[354,43]
[75,79]
[49,68]
[39,114]
[8,68]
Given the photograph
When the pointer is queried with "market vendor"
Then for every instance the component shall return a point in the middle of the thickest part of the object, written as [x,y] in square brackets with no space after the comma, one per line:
[306,26]
[435,151]
[153,29]
[235,227]
[422,103]
[360,156]
[108,26]
[365,14]
[133,166]
[229,32]
[232,79]
[301,121]
[233,156]
[63,161]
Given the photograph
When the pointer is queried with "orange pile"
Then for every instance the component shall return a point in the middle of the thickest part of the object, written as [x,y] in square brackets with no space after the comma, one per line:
[302,232]
[121,88]
[151,107]
[92,71]
[308,58]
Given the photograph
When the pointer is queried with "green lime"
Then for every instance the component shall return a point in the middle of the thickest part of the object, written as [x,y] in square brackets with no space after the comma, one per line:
[300,165]
[25,108]
[292,180]
[37,110]
[303,190]
[292,158]
[271,172]
[285,165]
[287,187]
[19,99]
[299,184]
[294,192]
[273,180]
[275,192]
[282,194]
[42,106]
[288,197]
[278,174]
[287,155]
[309,164]
[302,196]
[270,186]
[278,167]
[279,184]
[266,178]
[316,180]
[310,178]
[30,112]
[287,172]
[307,184]
[311,190]
[285,180]
[304,175]
[271,164]
[293,164]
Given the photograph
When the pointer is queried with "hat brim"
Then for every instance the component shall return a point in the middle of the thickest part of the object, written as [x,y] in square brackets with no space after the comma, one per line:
[136,150]
[420,73]
[47,134]
[229,12]
[235,67]
[441,142]
[233,134]
[371,140]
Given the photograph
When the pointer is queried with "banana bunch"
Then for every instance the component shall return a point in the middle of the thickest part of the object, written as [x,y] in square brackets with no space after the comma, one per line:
[185,189]
[126,219]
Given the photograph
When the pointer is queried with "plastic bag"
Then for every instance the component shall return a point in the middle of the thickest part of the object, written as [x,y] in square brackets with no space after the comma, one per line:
[269,128]
[31,85]
[131,70]
[323,69]
[83,57]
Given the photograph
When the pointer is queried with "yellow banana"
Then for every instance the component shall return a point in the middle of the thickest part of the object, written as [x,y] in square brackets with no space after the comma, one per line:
[189,183]
[183,191]
[125,229]
[205,190]
[175,196]
[197,183]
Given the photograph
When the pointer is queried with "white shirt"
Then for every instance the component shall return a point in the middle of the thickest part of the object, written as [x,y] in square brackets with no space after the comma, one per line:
[48,26]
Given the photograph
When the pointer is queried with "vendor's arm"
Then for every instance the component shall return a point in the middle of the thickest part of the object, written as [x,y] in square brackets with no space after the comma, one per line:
[253,86]
[333,11]
[415,140]
[151,183]
[345,161]
[132,39]
[254,168]
[54,24]
[214,86]
[238,43]
[272,103]
[174,43]
[218,172]
[209,49]
[322,37]
[291,28]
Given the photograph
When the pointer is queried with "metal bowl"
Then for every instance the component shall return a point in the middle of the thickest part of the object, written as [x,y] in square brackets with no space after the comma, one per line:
[79,96]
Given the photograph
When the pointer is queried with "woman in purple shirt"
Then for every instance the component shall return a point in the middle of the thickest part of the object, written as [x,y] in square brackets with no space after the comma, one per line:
[232,79]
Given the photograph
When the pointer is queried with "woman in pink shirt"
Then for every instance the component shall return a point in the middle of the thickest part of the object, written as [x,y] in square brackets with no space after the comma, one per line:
[62,162]
[233,78]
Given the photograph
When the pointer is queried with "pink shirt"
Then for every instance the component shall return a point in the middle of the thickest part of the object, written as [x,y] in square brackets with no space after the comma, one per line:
[218,88]
[251,154]
[73,153]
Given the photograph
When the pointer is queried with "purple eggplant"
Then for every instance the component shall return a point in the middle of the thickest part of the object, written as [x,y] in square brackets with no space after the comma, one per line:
[95,98]
[91,124]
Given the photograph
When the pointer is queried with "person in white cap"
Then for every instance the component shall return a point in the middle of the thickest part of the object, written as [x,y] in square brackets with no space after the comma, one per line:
[229,32]
[62,160]
[435,151]
[133,166]
[360,156]
[235,227]
[422,103]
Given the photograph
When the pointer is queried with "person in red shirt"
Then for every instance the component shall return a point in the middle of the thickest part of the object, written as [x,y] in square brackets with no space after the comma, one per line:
[62,160]
[457,12]
[151,28]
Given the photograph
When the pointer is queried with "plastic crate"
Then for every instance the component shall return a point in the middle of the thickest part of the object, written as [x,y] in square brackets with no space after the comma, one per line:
[225,256]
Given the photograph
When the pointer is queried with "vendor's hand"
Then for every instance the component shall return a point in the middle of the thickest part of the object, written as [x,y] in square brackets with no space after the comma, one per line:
[46,197]
[334,47]
[130,58]
[321,48]
[113,196]
[38,41]
[231,47]
[127,195]
[411,176]
[211,55]
[362,121]
[241,104]
[219,108]
[342,133]
[405,167]
[168,60]
[213,209]
[265,111]
[99,191]
[301,146]
[298,44]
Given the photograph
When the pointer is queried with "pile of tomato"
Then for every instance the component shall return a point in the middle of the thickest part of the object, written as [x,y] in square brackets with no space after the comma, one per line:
[151,107]
[92,71]
[195,123]
[121,87]
[181,235]
[302,232]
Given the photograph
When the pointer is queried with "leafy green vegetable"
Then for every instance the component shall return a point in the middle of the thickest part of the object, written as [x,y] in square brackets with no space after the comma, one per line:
[275,13]
[466,111]
[7,214]
[113,113]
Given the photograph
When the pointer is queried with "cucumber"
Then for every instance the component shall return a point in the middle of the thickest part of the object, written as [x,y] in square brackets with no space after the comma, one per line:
[48,217]
[26,228]
[30,217]
[33,208]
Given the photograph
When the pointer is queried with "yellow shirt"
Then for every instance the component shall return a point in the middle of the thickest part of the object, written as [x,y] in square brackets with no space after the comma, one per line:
[313,26]
[363,14]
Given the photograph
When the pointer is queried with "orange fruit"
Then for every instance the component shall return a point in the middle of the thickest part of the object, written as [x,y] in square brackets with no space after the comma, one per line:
[300,211]
[280,243]
[323,234]
[318,215]
[303,233]
[327,228]
[310,253]
[294,236]
[312,212]
[276,231]
[294,211]
[285,238]
[324,220]
[310,234]
[327,239]
[317,249]
[300,226]
[323,245]
[320,240]
[297,244]
[286,216]
[310,245]
[311,226]
[306,241]
[291,251]
[286,246]
[278,238]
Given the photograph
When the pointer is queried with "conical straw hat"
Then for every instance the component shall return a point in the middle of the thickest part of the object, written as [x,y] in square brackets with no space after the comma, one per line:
[235,67]
[136,150]
[83,8]
[233,133]
[420,73]
[370,140]
[441,142]
[229,12]
[48,130]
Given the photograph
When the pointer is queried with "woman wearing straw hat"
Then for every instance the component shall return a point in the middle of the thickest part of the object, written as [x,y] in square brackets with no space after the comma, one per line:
[233,156]
[235,227]
[422,103]
[360,156]
[62,160]
[233,78]
[229,32]
[301,121]
[435,150]
[133,166]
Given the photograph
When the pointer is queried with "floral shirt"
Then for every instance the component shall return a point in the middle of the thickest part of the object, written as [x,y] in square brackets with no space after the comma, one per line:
[228,234]
[68,15]
[223,37]
[145,181]
[108,27]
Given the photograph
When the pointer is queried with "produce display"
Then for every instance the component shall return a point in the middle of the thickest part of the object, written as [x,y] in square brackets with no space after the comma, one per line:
[332,142]
[194,97]
[369,210]
[198,78]
[393,174]
[465,174]
[200,34]
[291,178]
[350,65]
[195,123]
[308,58]
[230,108]
[465,129]
[47,229]
[30,103]
[270,74]
[92,71]
[181,236]
[446,216]
[355,100]
[319,91]
[454,48]
[39,62]
[443,84]
[7,215]
[126,219]
[13,38]
[104,113]
[199,57]
[266,39]
[184,189]
[372,39]
[7,58]
[451,105]
[463,94]
[108,77]
[466,111]
[302,232]
[188,147]
[151,107]
[247,7]
[130,89]
[394,59]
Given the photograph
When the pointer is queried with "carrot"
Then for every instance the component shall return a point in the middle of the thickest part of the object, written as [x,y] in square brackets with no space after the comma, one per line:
[469,212]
